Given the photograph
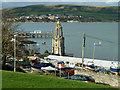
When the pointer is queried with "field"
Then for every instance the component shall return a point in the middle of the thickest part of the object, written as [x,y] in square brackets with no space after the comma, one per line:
[98,12]
[12,79]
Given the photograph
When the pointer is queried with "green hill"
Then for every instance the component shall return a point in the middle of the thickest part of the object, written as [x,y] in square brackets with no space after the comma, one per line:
[98,12]
[12,79]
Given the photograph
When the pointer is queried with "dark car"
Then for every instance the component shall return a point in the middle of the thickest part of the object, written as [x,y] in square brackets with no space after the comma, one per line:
[80,77]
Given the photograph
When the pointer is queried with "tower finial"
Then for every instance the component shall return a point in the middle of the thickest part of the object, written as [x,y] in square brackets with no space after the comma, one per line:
[58,22]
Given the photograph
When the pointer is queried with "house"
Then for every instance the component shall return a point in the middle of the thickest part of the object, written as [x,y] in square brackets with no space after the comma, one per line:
[51,17]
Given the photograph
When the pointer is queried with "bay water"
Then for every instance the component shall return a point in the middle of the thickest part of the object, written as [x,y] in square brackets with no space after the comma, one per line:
[106,33]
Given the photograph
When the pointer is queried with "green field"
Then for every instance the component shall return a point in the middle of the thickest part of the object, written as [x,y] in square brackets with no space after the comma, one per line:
[98,12]
[24,80]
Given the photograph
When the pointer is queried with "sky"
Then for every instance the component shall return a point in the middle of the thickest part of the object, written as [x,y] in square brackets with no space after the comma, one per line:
[107,1]
[22,3]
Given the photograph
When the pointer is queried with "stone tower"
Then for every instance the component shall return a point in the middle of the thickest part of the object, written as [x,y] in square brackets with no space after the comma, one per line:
[58,41]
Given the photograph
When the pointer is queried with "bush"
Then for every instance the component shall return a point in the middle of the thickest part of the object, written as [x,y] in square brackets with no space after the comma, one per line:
[46,51]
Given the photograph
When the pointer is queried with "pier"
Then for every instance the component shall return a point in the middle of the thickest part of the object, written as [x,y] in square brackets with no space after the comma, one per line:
[35,34]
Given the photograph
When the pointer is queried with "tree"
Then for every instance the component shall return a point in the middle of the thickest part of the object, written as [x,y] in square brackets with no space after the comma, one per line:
[7,34]
[46,51]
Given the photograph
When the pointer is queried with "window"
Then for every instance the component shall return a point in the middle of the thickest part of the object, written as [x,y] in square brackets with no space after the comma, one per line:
[67,62]
[56,40]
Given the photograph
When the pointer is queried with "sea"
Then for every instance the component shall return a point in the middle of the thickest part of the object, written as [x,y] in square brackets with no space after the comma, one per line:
[106,33]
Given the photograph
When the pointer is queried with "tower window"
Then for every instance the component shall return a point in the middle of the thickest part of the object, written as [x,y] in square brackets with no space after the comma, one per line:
[56,40]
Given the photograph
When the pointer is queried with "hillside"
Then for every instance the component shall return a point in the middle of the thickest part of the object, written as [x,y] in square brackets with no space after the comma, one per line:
[12,79]
[98,12]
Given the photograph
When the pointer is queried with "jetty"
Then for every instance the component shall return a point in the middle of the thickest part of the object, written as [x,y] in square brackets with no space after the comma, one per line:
[35,34]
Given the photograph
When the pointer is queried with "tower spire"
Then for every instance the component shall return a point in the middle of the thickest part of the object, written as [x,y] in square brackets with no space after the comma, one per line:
[58,30]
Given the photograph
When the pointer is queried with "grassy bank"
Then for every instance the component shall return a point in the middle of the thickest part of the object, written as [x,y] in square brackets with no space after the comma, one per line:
[24,80]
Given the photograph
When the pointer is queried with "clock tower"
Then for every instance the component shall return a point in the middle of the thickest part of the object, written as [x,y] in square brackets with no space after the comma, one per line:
[58,41]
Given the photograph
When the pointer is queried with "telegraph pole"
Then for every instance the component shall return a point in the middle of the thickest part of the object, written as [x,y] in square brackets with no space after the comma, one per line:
[83,49]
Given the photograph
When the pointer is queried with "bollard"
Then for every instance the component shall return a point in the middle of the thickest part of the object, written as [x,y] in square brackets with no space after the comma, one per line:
[68,75]
[116,73]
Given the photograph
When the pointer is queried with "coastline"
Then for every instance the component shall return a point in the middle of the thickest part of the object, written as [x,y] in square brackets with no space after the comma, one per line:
[97,62]
[67,22]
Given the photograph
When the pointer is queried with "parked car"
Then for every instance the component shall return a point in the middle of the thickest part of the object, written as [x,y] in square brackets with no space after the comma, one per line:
[81,77]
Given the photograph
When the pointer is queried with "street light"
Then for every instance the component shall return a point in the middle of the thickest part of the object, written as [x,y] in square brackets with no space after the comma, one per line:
[15,53]
[93,53]
[37,49]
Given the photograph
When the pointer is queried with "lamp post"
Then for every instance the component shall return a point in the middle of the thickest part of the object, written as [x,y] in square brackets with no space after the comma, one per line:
[14,53]
[37,49]
[93,52]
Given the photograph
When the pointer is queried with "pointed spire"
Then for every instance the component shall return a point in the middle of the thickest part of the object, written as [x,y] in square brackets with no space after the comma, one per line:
[58,30]
[58,22]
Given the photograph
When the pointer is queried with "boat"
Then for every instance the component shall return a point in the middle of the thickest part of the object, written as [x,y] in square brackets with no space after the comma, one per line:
[38,66]
[115,68]
[90,63]
[89,68]
[49,68]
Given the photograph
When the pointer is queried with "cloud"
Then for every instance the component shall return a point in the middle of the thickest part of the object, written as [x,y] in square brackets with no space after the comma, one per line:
[111,1]
[107,1]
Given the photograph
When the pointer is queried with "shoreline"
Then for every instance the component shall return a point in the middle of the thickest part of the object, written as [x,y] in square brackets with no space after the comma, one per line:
[97,62]
[67,22]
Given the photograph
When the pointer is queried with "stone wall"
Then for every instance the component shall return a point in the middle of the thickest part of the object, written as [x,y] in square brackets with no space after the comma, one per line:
[110,79]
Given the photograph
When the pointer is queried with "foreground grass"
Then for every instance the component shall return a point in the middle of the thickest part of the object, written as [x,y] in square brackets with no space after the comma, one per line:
[24,80]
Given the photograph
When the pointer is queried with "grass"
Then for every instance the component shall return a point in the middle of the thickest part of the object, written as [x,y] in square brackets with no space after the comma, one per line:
[12,79]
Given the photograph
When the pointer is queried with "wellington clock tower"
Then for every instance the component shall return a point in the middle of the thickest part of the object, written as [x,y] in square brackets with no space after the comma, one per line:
[58,41]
